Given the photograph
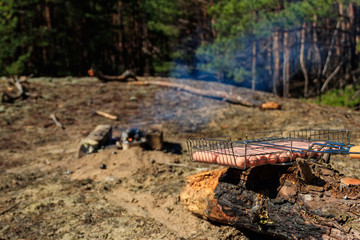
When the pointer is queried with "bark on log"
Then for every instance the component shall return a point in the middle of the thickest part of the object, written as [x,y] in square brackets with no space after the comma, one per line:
[124,77]
[274,201]
[232,98]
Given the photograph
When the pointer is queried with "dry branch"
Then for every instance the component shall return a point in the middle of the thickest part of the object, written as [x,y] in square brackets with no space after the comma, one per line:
[106,115]
[53,117]
[275,201]
[232,98]
[124,77]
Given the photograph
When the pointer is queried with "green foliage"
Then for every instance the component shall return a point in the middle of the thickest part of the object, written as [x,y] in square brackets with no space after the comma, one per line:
[161,16]
[11,40]
[241,22]
[348,97]
[115,35]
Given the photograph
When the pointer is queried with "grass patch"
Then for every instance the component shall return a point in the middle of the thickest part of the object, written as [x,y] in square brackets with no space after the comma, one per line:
[348,97]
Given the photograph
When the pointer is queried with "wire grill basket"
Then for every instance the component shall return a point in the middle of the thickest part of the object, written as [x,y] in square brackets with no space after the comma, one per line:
[269,147]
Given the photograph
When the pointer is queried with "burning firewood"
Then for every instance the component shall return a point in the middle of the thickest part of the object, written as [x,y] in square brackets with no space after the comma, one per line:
[274,201]
[124,77]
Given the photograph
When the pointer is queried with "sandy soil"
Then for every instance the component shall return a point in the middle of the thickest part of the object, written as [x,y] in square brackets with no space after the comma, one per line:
[48,193]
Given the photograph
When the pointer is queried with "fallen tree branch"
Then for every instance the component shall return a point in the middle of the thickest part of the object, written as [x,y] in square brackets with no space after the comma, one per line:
[53,117]
[106,115]
[275,201]
[232,98]
[124,77]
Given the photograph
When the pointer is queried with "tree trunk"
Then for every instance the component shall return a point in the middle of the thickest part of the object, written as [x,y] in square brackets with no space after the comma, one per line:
[253,68]
[343,42]
[317,57]
[302,60]
[328,58]
[276,56]
[286,65]
[212,22]
[352,35]
[48,15]
[269,58]
[342,26]
[276,201]
[120,34]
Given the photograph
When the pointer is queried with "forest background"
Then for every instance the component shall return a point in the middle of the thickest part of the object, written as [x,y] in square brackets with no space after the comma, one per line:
[292,48]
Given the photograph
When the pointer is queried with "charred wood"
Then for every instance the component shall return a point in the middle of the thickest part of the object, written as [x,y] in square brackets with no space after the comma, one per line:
[275,201]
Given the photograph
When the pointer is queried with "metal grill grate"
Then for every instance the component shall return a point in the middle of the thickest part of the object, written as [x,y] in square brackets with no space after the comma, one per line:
[269,147]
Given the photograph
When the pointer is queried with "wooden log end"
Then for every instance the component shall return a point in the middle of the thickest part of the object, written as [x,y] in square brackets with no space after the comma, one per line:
[270,106]
[350,181]
[155,138]
[272,200]
[198,196]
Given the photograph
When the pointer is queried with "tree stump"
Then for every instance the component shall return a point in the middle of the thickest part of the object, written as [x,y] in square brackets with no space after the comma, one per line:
[275,201]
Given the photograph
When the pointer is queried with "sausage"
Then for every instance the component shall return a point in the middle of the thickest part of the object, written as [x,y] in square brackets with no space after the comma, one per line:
[240,162]
[283,157]
[226,160]
[253,161]
[272,158]
[204,156]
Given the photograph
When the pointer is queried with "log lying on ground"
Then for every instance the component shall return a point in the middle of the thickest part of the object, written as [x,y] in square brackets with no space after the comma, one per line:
[232,98]
[16,90]
[99,137]
[275,201]
[124,77]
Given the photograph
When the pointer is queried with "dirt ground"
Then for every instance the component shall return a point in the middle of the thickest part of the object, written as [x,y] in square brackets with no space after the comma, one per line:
[48,193]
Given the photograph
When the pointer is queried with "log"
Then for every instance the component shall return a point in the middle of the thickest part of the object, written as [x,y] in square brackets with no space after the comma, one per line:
[124,77]
[97,139]
[221,95]
[15,91]
[274,201]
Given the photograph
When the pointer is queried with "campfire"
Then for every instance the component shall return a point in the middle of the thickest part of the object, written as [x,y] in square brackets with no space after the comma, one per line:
[104,136]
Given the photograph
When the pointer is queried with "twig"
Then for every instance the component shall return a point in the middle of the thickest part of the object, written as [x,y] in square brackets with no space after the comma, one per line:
[9,209]
[181,165]
[107,115]
[53,117]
